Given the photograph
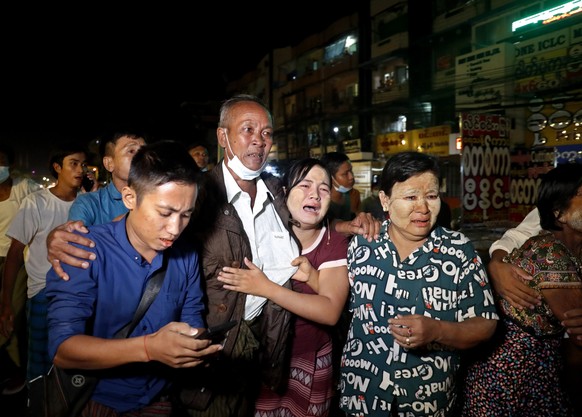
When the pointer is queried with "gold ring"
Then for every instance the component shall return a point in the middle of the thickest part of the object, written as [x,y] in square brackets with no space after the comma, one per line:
[408,341]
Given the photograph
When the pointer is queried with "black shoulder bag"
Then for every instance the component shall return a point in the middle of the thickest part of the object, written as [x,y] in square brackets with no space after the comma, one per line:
[65,392]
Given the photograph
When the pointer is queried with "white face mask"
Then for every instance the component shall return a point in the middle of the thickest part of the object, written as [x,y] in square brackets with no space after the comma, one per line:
[238,167]
[4,173]
[340,188]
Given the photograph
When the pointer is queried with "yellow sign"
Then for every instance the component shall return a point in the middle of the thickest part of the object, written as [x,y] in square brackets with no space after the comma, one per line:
[433,140]
[392,143]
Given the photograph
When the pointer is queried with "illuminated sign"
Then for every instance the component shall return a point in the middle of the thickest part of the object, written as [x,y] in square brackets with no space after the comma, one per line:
[551,15]
[433,140]
[393,142]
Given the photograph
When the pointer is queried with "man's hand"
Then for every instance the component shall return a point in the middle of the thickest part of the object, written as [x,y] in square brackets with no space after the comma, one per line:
[508,282]
[573,325]
[363,224]
[176,345]
[60,250]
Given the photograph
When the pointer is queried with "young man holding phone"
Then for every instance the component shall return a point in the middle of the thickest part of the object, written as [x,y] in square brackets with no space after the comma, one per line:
[160,196]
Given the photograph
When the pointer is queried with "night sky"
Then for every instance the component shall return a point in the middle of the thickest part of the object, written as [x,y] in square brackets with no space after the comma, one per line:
[72,73]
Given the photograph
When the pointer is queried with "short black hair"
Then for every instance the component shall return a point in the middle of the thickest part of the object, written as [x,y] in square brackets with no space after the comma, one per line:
[60,152]
[160,163]
[197,144]
[107,144]
[403,165]
[333,161]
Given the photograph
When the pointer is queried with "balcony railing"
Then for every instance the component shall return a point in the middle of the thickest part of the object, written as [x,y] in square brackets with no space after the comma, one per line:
[396,92]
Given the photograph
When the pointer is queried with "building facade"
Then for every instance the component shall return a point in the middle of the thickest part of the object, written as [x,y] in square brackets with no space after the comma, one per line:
[490,86]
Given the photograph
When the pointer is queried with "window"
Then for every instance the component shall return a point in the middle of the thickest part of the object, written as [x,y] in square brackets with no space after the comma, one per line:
[334,51]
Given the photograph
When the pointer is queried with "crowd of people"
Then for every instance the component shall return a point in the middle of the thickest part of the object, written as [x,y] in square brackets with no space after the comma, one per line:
[38,214]
[337,311]
[13,190]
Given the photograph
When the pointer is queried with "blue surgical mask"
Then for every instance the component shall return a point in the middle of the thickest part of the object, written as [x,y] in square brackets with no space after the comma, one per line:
[4,173]
[238,167]
[341,189]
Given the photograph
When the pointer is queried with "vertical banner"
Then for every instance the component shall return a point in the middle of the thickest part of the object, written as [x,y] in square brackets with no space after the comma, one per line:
[486,167]
[527,166]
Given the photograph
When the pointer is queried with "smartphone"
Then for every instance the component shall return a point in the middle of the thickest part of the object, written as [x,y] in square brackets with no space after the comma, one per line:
[217,334]
[87,183]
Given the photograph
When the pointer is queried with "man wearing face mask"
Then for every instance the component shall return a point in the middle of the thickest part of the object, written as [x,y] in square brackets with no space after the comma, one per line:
[345,199]
[242,218]
[244,215]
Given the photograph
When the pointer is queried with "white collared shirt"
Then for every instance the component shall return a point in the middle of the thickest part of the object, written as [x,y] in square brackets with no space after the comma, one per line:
[272,245]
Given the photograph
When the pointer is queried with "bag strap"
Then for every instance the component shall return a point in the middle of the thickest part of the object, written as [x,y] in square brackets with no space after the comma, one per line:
[152,288]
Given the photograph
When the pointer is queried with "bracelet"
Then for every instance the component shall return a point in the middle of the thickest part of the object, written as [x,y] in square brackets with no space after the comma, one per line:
[146,348]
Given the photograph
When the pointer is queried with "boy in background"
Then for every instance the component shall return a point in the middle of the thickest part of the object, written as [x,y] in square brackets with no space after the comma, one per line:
[105,204]
[38,214]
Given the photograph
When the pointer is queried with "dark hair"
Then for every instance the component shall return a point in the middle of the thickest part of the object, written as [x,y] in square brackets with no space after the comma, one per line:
[333,161]
[8,150]
[401,166]
[107,146]
[557,188]
[298,170]
[196,145]
[160,163]
[58,155]
[227,106]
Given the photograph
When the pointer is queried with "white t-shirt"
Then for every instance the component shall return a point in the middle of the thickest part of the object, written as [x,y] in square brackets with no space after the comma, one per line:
[21,187]
[514,238]
[39,213]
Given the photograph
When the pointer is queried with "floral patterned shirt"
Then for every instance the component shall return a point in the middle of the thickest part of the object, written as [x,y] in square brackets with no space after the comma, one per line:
[546,259]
